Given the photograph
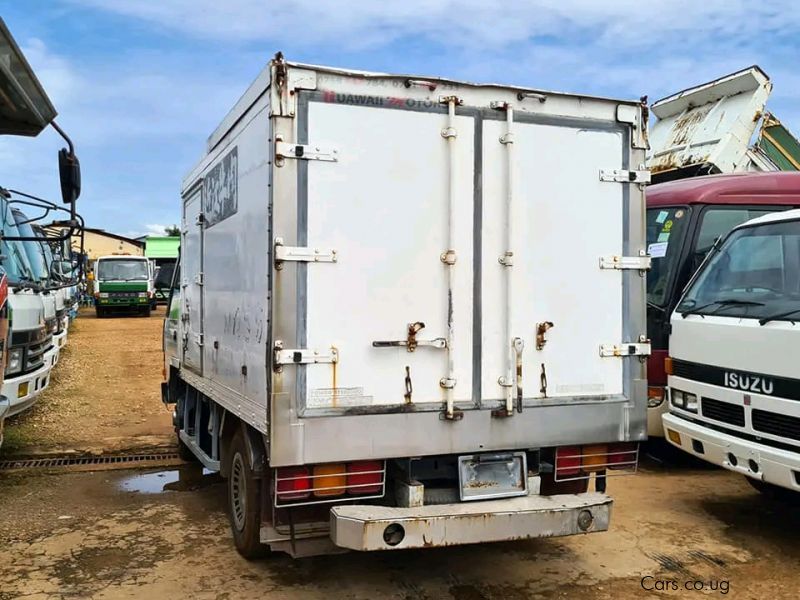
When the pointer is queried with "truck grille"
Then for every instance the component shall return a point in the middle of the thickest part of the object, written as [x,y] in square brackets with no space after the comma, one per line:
[723,411]
[123,294]
[776,424]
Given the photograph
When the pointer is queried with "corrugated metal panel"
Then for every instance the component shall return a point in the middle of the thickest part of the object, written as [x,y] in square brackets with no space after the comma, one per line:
[162,247]
[779,144]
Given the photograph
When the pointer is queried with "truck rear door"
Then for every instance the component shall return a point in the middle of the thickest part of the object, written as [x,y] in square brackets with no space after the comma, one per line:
[545,323]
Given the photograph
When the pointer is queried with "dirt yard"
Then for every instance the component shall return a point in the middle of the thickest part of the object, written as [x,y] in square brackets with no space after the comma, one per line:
[164,534]
[104,394]
[137,534]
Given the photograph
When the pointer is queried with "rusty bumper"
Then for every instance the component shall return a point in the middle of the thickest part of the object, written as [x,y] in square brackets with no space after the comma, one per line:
[388,528]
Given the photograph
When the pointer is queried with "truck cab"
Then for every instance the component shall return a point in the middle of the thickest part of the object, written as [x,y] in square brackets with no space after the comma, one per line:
[27,371]
[733,375]
[123,282]
[42,275]
[684,219]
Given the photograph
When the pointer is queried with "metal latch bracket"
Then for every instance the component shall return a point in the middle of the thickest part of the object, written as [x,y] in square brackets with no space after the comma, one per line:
[623,176]
[640,348]
[302,356]
[305,152]
[301,254]
[643,262]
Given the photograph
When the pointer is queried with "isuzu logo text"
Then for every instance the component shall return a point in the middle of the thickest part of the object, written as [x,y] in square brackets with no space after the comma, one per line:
[748,383]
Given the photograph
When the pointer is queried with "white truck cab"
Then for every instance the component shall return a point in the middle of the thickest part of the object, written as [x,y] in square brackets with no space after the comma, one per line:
[734,378]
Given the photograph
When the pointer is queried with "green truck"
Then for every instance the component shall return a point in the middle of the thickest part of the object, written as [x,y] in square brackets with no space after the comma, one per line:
[123,283]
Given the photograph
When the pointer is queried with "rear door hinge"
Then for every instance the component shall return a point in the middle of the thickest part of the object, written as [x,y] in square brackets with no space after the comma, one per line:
[639,348]
[199,339]
[285,150]
[623,176]
[302,356]
[198,279]
[300,254]
[635,263]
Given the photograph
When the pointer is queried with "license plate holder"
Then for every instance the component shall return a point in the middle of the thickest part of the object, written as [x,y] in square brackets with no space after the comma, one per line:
[492,475]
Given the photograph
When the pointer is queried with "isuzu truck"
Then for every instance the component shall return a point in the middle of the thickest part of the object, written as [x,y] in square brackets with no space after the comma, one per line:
[412,310]
[734,378]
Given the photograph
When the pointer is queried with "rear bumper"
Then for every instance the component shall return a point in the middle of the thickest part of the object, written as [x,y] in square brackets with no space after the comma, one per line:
[775,466]
[362,527]
[37,382]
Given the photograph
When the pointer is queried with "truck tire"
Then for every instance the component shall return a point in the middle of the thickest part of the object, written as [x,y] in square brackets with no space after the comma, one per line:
[244,500]
[100,312]
[147,311]
[774,492]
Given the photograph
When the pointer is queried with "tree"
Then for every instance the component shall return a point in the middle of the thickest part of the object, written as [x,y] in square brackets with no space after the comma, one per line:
[172,230]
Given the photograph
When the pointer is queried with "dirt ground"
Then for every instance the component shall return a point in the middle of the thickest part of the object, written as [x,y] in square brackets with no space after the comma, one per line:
[135,534]
[104,393]
[164,534]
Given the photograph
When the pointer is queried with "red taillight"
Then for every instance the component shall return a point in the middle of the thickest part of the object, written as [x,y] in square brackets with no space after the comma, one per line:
[568,461]
[622,455]
[365,477]
[292,483]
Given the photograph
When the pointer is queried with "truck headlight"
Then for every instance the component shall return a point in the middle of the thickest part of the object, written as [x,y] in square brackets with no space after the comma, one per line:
[684,400]
[14,364]
[142,294]
[104,294]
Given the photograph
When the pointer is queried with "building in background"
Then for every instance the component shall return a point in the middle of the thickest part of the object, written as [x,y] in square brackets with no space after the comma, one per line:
[163,251]
[97,242]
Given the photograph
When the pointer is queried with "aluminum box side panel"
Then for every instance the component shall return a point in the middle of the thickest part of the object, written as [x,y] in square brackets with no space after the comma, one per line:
[236,265]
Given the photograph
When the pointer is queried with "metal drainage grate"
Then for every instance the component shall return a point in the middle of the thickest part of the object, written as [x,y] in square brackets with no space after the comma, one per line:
[68,461]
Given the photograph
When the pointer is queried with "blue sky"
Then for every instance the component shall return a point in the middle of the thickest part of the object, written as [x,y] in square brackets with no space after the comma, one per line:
[139,84]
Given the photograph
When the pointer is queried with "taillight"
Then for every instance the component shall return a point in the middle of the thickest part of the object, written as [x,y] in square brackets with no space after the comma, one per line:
[668,365]
[623,455]
[329,480]
[365,477]
[292,483]
[568,461]
[594,457]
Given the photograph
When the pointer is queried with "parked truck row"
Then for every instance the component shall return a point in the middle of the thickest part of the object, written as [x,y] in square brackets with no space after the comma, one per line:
[38,285]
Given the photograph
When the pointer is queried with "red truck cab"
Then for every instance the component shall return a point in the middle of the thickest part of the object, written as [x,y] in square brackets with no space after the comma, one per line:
[684,220]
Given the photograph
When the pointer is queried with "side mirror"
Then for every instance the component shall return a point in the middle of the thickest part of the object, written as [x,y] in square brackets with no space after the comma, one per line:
[69,171]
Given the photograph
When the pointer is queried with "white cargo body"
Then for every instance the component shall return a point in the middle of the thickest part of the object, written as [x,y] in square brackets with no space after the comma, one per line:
[379,267]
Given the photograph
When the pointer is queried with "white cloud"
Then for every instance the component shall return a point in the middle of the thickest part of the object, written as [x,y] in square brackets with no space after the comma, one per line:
[476,23]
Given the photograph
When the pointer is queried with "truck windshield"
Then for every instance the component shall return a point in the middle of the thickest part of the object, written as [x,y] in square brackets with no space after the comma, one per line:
[666,229]
[33,250]
[755,274]
[14,258]
[122,269]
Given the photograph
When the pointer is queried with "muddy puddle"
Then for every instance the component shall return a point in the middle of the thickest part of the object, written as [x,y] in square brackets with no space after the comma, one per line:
[181,479]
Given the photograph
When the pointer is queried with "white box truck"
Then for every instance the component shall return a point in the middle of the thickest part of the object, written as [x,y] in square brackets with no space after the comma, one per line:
[734,381]
[411,310]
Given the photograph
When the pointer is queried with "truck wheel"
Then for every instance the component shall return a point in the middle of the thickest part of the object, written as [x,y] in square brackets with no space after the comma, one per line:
[244,501]
[147,311]
[101,312]
[774,492]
